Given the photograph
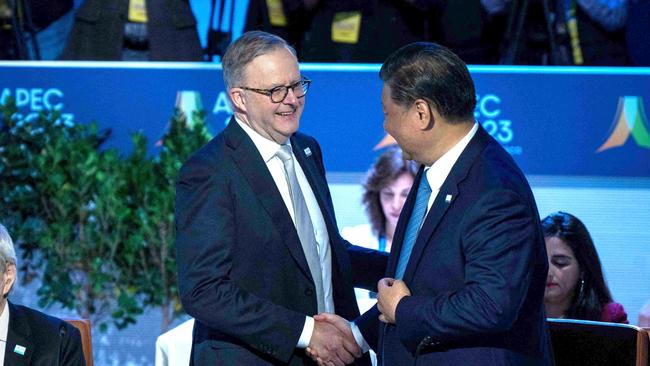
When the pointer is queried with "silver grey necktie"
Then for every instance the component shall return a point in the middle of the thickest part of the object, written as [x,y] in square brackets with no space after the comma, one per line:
[304,225]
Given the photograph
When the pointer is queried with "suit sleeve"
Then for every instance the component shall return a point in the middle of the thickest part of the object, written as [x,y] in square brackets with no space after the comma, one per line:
[206,236]
[499,242]
[71,352]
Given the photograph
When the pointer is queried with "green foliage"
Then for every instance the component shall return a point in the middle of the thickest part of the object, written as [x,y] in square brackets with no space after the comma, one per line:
[96,224]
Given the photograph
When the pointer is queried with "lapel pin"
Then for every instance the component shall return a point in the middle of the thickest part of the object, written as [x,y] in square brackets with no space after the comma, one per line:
[307,151]
[20,350]
[448,198]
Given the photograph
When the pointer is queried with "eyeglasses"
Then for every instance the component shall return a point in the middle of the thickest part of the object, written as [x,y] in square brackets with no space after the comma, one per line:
[279,93]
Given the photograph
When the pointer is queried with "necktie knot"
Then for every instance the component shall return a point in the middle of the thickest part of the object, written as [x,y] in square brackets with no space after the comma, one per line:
[284,153]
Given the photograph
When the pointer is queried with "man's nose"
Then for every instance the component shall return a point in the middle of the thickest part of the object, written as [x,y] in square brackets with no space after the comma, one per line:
[290,98]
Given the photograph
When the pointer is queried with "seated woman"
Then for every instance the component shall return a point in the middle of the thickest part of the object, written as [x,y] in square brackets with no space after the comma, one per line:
[387,184]
[575,286]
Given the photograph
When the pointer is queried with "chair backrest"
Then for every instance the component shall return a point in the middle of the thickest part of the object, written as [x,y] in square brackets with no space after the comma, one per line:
[86,339]
[583,342]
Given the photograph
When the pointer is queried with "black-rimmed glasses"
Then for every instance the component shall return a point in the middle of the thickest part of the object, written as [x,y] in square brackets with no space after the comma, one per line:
[278,93]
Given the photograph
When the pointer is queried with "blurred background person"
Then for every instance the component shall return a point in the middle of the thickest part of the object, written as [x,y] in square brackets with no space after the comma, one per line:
[644,316]
[576,287]
[366,30]
[564,32]
[27,336]
[288,19]
[34,29]
[385,188]
[134,30]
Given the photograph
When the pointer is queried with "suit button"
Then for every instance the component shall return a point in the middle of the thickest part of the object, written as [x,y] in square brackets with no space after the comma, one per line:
[309,292]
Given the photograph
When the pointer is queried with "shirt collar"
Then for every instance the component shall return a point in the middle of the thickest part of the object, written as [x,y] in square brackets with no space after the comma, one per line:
[437,173]
[4,322]
[266,147]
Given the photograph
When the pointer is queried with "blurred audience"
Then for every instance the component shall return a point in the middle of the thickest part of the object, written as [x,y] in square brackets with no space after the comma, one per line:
[28,336]
[554,32]
[289,19]
[34,29]
[366,30]
[565,32]
[576,287]
[161,30]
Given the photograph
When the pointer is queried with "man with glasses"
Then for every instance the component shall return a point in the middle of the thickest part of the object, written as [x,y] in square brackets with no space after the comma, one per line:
[257,242]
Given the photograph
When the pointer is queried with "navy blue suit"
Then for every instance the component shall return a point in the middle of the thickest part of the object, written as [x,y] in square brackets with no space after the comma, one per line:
[477,272]
[242,272]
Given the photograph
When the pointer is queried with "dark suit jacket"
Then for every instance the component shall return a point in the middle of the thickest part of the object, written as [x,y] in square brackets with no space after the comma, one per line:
[477,272]
[242,272]
[48,341]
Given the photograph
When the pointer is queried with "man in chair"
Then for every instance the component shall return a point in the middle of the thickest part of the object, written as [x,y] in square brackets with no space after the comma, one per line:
[27,336]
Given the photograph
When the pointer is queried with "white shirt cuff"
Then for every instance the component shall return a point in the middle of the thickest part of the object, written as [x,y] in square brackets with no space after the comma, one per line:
[307,331]
[356,332]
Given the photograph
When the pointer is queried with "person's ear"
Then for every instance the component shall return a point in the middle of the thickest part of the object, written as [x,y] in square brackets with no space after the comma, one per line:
[425,118]
[238,98]
[10,279]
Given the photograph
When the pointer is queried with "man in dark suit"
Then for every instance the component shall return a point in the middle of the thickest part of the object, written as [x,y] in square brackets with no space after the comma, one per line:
[27,336]
[258,248]
[467,270]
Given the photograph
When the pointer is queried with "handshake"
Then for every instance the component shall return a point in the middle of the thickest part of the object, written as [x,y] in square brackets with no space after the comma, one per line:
[333,343]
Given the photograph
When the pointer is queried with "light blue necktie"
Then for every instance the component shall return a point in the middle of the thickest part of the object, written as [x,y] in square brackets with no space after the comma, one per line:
[415,222]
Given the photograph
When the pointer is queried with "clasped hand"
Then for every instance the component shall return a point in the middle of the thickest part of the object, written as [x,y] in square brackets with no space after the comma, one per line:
[332,342]
[391,291]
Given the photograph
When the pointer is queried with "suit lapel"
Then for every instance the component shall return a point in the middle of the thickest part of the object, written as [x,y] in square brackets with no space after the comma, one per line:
[308,162]
[253,167]
[446,197]
[313,177]
[18,338]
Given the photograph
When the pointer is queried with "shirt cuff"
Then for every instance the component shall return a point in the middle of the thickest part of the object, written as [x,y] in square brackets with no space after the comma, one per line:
[356,332]
[307,330]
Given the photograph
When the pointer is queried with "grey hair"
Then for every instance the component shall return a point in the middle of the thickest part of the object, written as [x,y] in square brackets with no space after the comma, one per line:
[244,50]
[7,252]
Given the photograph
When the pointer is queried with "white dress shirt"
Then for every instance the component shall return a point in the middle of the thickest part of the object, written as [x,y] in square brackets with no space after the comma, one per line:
[437,173]
[267,149]
[4,330]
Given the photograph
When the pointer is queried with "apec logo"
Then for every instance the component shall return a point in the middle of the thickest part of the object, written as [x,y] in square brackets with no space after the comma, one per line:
[488,114]
[190,101]
[630,120]
[33,101]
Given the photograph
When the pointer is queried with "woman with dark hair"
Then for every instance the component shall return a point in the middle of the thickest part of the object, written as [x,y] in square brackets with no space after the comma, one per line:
[386,186]
[575,286]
